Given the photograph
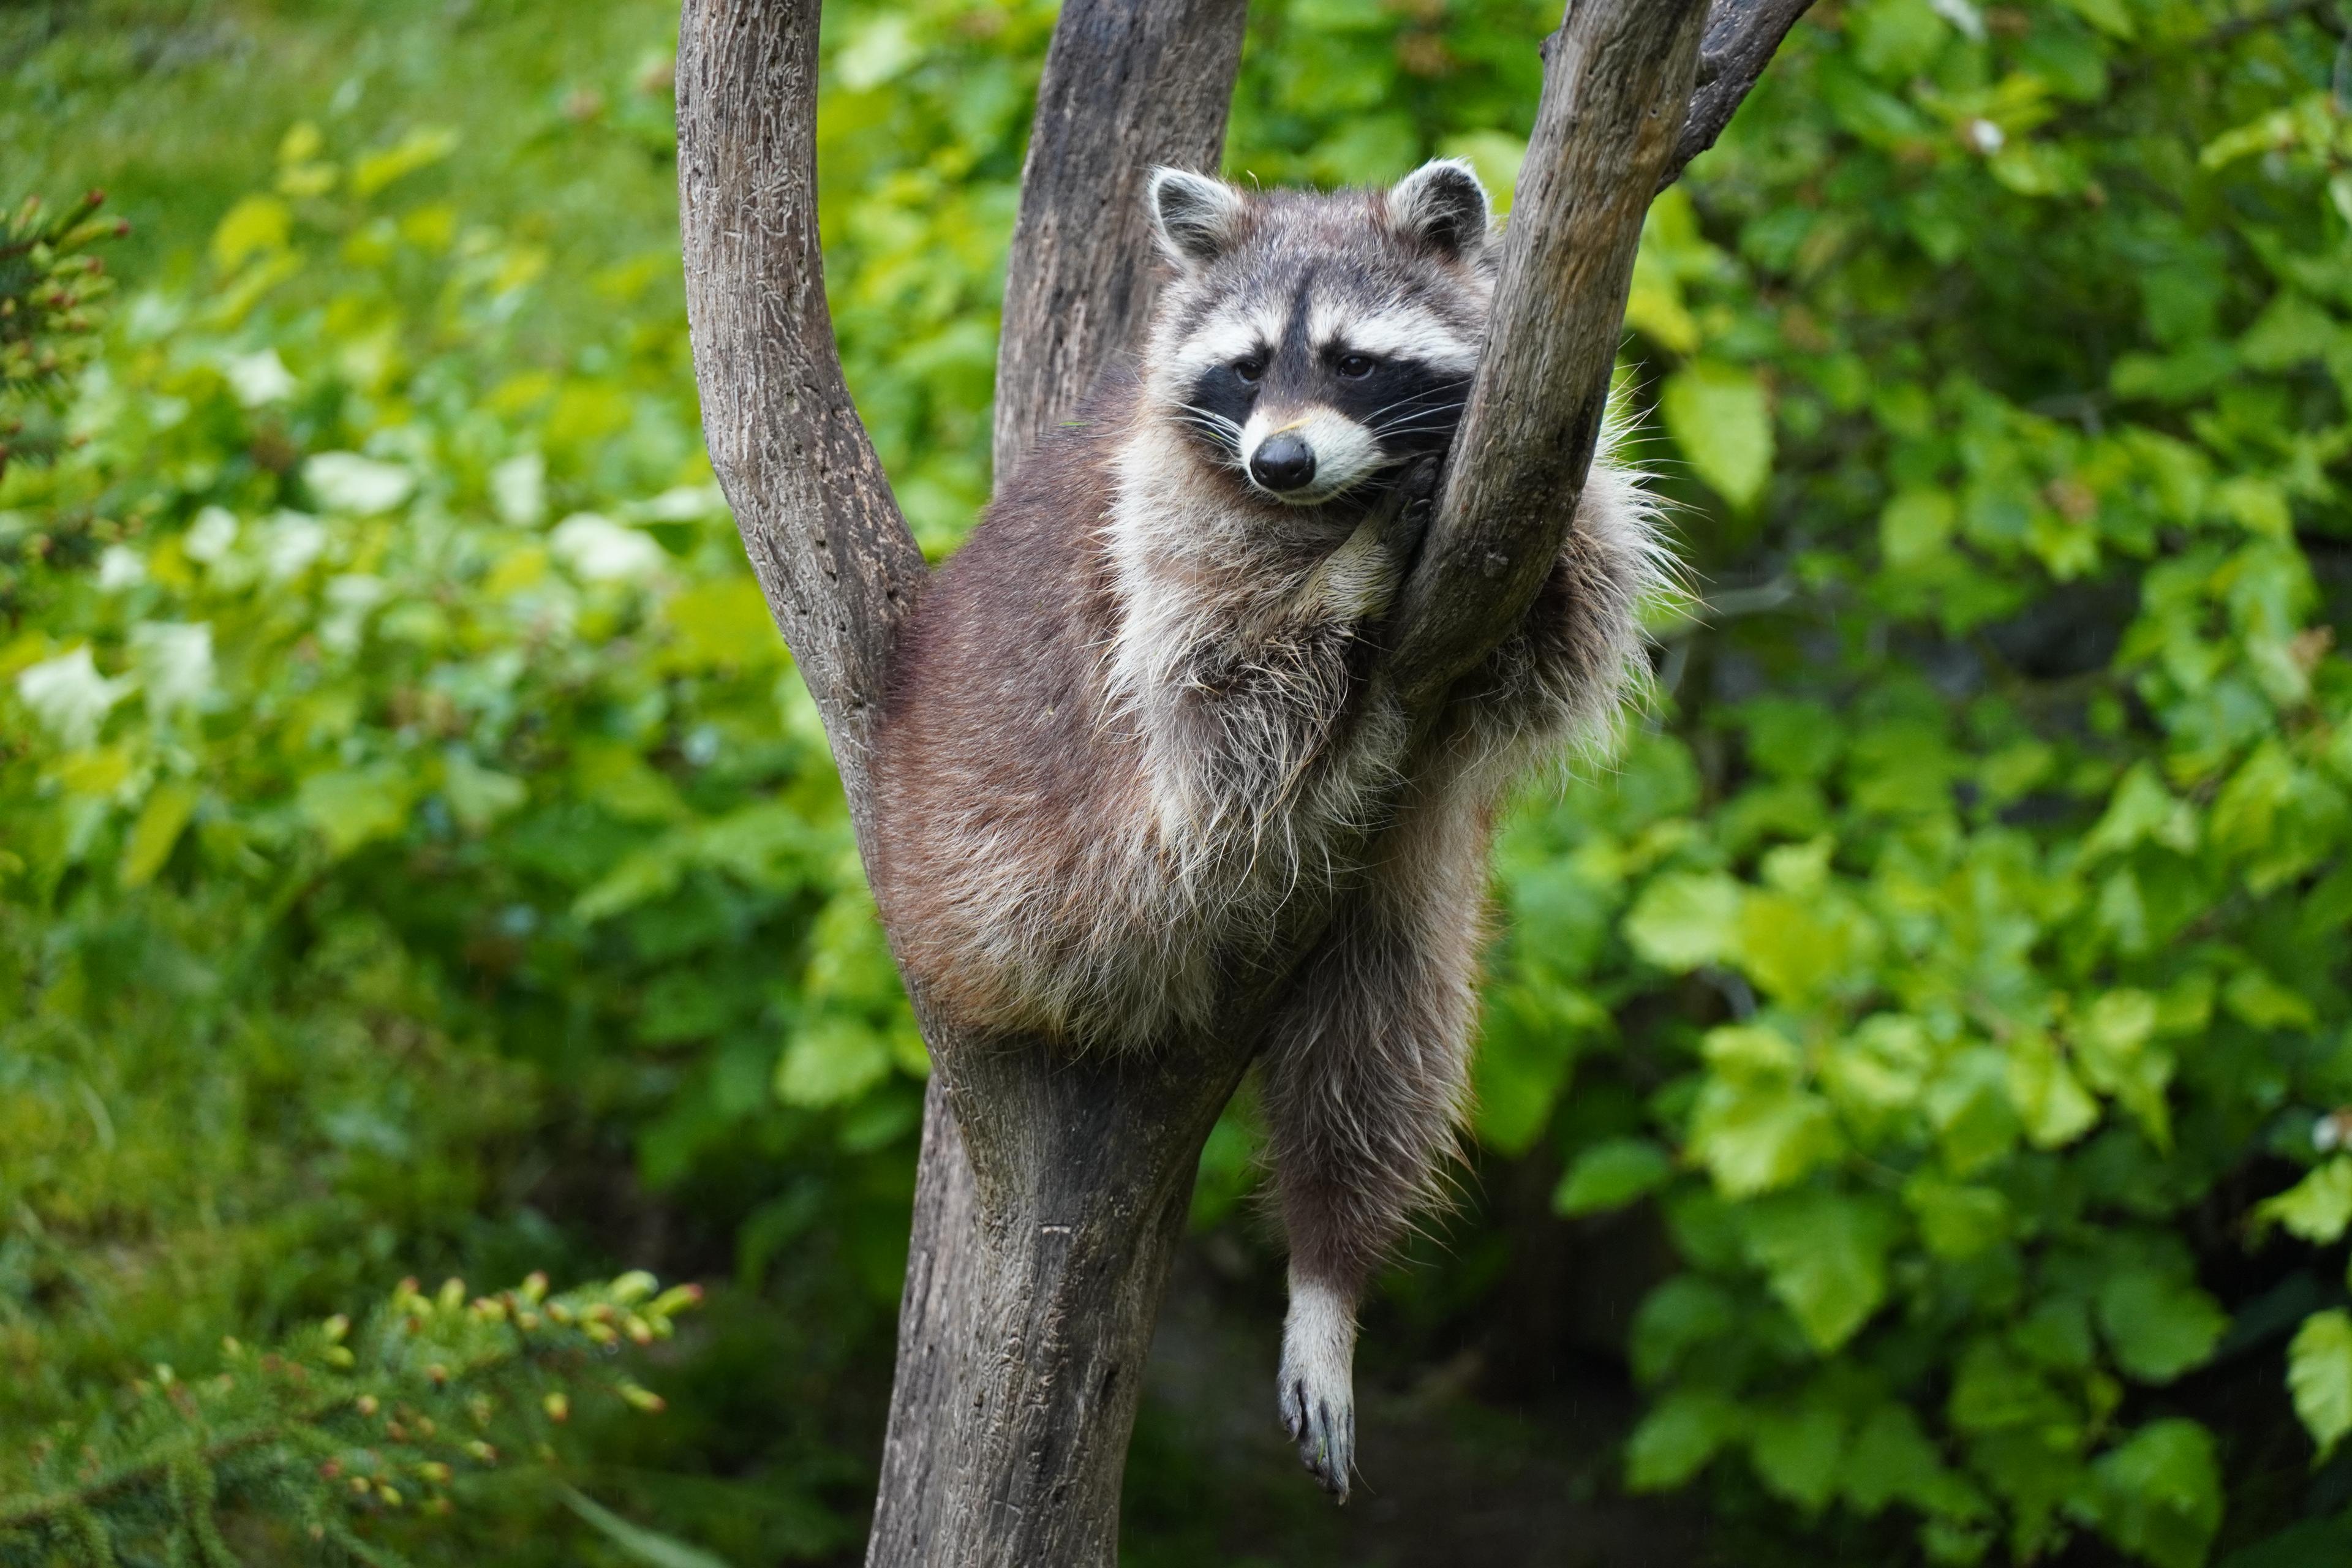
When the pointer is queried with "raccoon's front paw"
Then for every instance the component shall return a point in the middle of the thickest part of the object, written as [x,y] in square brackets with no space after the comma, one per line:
[1318,1385]
[1404,513]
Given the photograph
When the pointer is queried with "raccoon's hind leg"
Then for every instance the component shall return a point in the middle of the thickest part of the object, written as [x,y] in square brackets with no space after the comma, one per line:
[1366,1081]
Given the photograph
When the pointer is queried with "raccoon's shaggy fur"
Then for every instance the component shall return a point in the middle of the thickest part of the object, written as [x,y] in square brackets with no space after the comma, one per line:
[1134,729]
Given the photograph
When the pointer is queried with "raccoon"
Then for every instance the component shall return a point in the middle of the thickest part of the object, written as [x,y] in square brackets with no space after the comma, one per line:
[1135,727]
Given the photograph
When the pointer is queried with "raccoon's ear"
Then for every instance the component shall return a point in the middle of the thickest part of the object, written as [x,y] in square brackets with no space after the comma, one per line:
[1195,218]
[1443,205]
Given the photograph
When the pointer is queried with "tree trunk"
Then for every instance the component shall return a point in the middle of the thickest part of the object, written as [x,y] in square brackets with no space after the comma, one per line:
[1054,1183]
[1032,1292]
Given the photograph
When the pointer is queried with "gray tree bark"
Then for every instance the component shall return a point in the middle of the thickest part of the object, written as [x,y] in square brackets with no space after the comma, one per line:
[1617,84]
[1126,86]
[1053,1187]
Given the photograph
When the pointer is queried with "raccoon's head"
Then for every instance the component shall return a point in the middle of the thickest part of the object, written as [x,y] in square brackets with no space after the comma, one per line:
[1311,342]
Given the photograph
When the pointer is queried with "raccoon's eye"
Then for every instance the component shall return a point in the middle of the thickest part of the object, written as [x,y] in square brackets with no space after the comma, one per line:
[1355,367]
[1249,369]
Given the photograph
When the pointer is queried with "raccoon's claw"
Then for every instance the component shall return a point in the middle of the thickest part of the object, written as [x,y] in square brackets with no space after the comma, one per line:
[1408,507]
[1318,1385]
[1325,1431]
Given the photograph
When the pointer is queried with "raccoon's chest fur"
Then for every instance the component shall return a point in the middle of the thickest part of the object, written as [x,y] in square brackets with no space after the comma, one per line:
[1105,836]
[1135,735]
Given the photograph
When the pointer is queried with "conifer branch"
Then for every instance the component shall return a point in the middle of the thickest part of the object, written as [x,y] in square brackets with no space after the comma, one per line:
[322,1432]
[50,287]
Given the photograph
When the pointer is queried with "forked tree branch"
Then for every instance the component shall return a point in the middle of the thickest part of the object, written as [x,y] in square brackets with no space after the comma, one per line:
[1053,1184]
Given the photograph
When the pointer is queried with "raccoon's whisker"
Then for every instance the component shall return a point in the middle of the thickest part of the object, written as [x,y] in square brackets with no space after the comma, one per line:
[1431,419]
[1226,429]
[1226,444]
[1457,390]
[1450,397]
[1209,415]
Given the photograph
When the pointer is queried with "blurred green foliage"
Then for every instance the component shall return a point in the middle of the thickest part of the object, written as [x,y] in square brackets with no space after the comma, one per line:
[418,853]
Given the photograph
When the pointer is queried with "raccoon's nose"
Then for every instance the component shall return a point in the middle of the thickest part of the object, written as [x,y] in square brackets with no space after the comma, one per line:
[1283,462]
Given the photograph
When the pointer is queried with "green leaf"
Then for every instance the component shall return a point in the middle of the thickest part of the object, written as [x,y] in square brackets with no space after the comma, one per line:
[1719,416]
[2057,1334]
[1798,1450]
[2319,1375]
[1892,1460]
[1824,1255]
[423,146]
[1970,1107]
[2112,17]
[256,224]
[1517,1075]
[1677,1437]
[2159,1494]
[2157,1327]
[2142,809]
[158,828]
[1684,919]
[2052,1103]
[2317,1208]
[2266,1003]
[1916,527]
[649,1547]
[1796,945]
[1994,1391]
[831,1061]
[1878,1070]
[1685,1312]
[1896,38]
[477,796]
[651,873]
[1611,1175]
[716,625]
[1655,305]
[1957,1222]
[1753,1127]
[2111,1046]
[350,806]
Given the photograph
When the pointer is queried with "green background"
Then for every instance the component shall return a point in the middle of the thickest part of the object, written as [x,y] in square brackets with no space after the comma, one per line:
[1903,1125]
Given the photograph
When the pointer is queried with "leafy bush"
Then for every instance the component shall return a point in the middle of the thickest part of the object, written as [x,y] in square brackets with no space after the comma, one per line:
[420,855]
[1970,949]
[412,817]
